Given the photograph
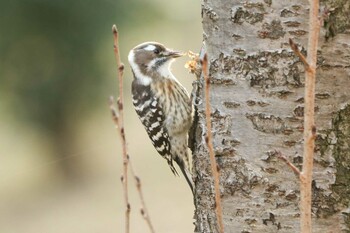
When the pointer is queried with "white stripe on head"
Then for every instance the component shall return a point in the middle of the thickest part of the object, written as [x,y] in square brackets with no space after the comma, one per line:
[150,47]
[138,75]
[148,43]
[151,64]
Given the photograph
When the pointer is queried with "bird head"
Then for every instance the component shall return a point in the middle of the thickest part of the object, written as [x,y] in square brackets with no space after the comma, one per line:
[152,59]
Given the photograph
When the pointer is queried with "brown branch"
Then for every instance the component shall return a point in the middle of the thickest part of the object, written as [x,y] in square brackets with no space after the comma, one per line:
[144,210]
[120,65]
[297,52]
[209,142]
[309,121]
[120,125]
[290,164]
[124,177]
[118,118]
[309,117]
[114,111]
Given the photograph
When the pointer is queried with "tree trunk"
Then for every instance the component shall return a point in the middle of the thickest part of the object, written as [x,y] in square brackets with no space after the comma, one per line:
[257,88]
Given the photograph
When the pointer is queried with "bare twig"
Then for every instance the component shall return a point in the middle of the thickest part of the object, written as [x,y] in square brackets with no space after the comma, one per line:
[309,120]
[290,164]
[119,121]
[209,141]
[144,210]
[120,65]
[118,118]
[124,177]
[309,116]
[115,115]
[297,52]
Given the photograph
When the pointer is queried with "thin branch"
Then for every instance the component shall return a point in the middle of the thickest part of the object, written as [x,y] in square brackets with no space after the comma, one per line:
[144,210]
[309,117]
[120,65]
[118,118]
[209,141]
[115,115]
[309,121]
[120,125]
[124,177]
[297,52]
[290,164]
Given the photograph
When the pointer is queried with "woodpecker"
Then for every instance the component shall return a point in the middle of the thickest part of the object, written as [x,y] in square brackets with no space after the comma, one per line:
[162,103]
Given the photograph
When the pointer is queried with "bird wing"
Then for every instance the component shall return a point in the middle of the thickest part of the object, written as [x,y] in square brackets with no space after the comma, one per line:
[152,117]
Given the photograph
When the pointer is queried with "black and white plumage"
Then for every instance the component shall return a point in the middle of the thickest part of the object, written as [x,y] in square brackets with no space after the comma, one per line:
[162,103]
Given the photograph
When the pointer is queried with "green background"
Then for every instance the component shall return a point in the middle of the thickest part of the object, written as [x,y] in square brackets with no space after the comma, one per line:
[60,153]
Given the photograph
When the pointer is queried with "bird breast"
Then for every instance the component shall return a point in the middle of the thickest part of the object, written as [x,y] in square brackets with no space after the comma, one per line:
[176,104]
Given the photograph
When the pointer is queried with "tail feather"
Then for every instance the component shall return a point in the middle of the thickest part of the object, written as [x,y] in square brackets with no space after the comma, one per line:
[173,169]
[187,174]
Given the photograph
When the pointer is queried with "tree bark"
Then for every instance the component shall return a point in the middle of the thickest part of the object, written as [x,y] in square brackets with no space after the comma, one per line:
[257,88]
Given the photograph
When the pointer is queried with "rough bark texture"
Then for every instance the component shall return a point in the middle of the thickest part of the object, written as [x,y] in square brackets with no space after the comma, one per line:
[257,87]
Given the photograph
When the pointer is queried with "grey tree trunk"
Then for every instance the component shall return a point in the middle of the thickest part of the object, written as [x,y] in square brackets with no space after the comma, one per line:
[257,88]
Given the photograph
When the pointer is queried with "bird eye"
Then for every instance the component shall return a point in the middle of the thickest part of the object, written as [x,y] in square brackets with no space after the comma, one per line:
[156,51]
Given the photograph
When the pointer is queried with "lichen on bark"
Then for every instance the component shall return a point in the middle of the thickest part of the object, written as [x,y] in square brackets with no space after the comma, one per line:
[341,124]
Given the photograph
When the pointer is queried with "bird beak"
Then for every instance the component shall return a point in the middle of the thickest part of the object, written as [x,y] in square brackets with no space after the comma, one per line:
[173,54]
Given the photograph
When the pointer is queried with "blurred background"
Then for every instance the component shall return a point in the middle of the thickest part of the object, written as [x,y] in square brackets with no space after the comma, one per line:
[60,154]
